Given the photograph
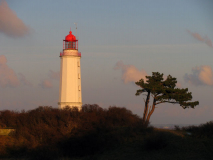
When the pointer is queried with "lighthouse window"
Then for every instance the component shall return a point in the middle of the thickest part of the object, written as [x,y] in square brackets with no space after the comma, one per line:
[70,45]
[78,64]
[79,76]
[79,88]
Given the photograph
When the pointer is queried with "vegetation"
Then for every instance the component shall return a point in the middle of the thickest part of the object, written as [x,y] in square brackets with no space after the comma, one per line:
[98,134]
[201,131]
[48,132]
[163,91]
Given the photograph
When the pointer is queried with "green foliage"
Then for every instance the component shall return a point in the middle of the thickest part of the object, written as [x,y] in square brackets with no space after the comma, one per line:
[163,91]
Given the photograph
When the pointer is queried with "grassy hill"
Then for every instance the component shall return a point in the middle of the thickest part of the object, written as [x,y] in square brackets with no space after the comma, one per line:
[95,133]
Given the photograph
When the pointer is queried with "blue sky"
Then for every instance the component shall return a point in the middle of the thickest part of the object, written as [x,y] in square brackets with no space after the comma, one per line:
[168,36]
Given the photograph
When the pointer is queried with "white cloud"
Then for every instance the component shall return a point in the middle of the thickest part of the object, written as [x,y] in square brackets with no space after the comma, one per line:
[8,77]
[10,24]
[202,75]
[129,72]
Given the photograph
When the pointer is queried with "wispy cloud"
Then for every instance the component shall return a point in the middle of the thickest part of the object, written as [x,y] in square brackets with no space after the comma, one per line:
[23,80]
[46,84]
[8,77]
[10,24]
[200,38]
[54,75]
[202,75]
[129,72]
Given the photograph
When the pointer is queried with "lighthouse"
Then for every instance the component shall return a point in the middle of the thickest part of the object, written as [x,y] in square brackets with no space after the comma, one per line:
[70,74]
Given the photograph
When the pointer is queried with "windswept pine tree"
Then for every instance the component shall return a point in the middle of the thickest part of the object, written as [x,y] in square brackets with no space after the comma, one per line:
[163,91]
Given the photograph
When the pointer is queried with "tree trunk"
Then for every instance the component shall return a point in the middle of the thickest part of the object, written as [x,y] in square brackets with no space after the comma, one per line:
[146,107]
[152,110]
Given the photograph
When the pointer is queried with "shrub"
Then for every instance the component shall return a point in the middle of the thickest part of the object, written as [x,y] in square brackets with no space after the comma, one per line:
[201,131]
[68,131]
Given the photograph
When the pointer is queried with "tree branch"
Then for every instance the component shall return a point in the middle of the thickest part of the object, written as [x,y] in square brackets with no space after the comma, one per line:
[144,100]
[167,102]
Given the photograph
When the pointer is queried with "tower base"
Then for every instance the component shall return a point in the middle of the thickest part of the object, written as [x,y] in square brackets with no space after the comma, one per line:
[70,104]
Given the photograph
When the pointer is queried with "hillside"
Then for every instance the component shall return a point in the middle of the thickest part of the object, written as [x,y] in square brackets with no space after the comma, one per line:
[95,133]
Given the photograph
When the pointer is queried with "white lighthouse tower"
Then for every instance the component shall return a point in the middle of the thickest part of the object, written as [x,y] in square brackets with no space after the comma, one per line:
[70,74]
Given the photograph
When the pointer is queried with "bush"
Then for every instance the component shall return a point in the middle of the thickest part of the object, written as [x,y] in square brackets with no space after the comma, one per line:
[201,131]
[69,132]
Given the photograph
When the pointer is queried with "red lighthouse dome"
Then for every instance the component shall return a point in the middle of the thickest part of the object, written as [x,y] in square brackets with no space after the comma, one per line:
[70,37]
[70,42]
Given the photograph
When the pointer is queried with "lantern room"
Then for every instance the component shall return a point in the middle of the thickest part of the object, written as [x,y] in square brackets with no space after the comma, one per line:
[70,42]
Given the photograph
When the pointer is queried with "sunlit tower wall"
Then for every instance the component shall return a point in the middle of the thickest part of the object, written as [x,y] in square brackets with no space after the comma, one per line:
[70,74]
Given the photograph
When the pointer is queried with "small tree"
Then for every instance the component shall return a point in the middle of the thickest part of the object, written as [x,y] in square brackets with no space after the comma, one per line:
[163,91]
